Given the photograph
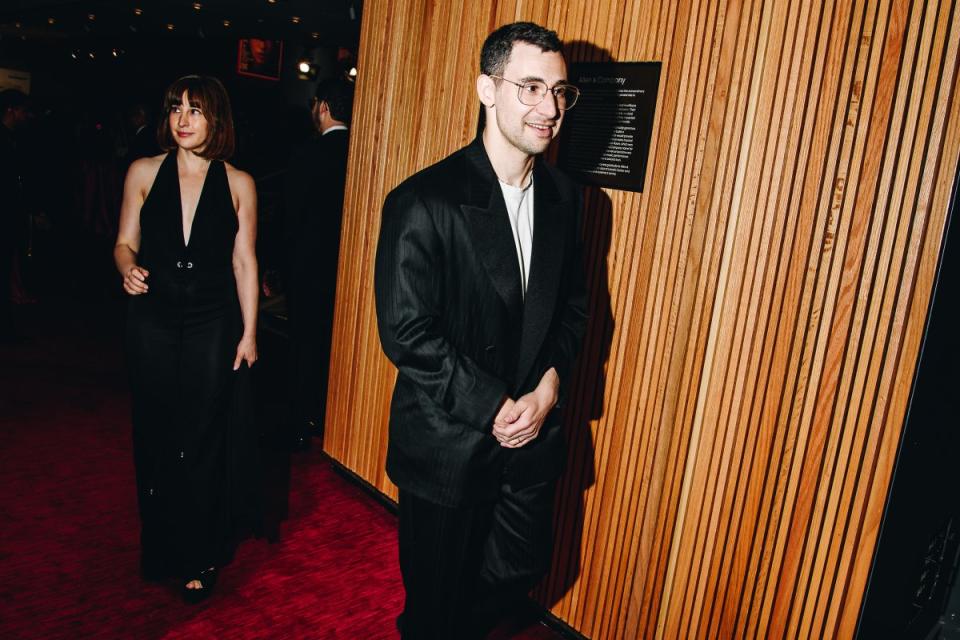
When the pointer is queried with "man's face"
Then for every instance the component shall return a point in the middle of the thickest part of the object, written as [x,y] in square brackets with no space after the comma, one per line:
[259,50]
[529,129]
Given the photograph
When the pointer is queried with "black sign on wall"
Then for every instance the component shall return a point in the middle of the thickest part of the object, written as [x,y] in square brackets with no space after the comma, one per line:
[606,136]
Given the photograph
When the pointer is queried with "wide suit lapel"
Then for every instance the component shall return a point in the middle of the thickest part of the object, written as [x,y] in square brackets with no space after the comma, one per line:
[546,268]
[493,240]
[490,229]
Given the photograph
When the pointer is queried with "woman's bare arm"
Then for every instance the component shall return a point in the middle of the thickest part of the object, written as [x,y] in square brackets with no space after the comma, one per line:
[137,184]
[245,262]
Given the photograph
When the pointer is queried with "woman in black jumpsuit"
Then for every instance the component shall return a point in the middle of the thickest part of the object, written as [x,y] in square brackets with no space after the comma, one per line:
[191,336]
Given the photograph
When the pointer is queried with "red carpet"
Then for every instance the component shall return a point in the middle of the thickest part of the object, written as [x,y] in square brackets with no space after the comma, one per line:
[68,519]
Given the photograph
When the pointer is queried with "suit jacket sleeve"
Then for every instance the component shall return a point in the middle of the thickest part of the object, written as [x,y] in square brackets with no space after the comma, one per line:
[408,286]
[564,341]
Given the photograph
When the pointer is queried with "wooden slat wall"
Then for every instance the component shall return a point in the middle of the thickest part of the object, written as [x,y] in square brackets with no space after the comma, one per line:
[757,313]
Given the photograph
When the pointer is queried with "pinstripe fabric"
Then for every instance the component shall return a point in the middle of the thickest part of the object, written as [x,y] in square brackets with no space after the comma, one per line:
[452,319]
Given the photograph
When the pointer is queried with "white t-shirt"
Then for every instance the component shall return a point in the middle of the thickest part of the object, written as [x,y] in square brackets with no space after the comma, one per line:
[519,203]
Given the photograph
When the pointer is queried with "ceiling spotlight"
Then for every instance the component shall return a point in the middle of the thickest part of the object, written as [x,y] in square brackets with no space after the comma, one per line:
[115,53]
[17,25]
[197,6]
[226,23]
[51,20]
[353,72]
[295,19]
[138,11]
[91,17]
[92,55]
[74,55]
[315,35]
[271,1]
[170,26]
[303,66]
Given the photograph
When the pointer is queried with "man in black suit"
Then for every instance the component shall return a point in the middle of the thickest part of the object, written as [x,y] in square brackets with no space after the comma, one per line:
[14,114]
[313,199]
[143,141]
[481,306]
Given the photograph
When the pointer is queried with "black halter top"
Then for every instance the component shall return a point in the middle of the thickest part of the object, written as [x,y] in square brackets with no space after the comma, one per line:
[198,272]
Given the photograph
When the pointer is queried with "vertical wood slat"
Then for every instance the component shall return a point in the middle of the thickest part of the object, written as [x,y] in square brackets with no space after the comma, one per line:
[755,312]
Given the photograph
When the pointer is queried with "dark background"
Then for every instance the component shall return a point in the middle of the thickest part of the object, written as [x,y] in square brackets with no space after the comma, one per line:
[135,57]
[90,62]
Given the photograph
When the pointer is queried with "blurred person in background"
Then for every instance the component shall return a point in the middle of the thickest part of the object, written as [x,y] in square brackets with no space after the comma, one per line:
[313,201]
[14,114]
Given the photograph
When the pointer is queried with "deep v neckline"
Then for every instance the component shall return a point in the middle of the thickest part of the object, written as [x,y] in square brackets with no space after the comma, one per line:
[186,239]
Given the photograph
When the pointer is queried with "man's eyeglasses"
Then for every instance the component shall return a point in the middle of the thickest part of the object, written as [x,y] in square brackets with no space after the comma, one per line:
[533,92]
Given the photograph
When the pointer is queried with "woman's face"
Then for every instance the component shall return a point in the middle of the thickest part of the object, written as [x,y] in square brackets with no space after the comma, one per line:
[188,125]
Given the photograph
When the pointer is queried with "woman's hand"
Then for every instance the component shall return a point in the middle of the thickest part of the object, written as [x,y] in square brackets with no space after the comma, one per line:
[246,351]
[135,280]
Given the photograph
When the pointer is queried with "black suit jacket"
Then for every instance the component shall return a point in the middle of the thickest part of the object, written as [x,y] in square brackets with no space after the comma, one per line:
[453,319]
[313,204]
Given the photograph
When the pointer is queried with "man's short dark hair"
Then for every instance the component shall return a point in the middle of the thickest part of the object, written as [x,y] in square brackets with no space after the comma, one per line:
[12,99]
[338,94]
[497,47]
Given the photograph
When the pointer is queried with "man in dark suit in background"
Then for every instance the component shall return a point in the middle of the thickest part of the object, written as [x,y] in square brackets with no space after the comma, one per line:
[481,306]
[143,138]
[313,199]
[14,114]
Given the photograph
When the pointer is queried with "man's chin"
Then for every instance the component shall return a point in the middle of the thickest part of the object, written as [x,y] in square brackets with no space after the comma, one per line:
[535,147]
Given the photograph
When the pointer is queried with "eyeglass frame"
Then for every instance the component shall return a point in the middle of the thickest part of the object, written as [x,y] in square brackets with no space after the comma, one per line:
[550,90]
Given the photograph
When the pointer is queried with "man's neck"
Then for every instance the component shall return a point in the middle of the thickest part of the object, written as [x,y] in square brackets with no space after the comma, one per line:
[511,165]
[329,124]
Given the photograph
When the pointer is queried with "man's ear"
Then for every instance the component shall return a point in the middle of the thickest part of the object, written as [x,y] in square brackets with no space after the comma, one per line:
[486,90]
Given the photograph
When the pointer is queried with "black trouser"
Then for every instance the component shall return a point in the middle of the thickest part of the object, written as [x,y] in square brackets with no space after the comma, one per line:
[464,568]
[311,319]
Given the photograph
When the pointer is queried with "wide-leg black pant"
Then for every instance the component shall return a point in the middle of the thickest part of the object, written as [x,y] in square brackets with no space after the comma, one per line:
[194,438]
[465,568]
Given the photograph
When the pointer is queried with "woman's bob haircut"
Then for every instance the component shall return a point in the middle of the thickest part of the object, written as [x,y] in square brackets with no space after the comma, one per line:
[208,94]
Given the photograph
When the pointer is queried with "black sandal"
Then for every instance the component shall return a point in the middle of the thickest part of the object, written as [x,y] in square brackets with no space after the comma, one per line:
[207,579]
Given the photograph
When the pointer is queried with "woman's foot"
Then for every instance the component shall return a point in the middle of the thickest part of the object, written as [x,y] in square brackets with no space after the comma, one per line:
[200,588]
